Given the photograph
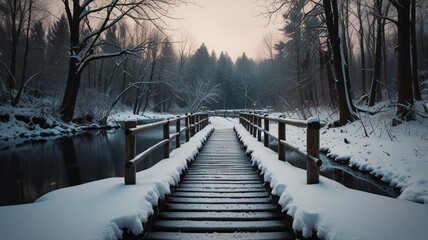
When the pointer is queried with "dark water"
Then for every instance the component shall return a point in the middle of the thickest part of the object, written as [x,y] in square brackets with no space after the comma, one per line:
[31,170]
[342,173]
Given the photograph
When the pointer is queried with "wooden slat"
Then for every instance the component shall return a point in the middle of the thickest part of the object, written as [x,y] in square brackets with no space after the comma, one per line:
[218,200]
[219,216]
[249,190]
[222,186]
[218,226]
[219,207]
[222,194]
[220,236]
[220,181]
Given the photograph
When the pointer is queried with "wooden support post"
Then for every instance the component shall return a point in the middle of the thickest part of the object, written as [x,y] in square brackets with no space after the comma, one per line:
[313,149]
[281,136]
[255,117]
[192,125]
[259,131]
[186,122]
[166,136]
[265,135]
[251,123]
[130,151]
[178,130]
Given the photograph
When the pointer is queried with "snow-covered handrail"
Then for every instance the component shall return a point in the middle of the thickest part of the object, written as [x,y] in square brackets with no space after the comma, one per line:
[253,123]
[193,124]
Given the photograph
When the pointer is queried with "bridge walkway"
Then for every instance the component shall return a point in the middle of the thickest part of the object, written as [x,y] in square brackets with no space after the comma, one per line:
[221,197]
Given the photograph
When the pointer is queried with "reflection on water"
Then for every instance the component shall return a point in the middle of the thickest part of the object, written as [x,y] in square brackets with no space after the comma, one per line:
[32,170]
[342,173]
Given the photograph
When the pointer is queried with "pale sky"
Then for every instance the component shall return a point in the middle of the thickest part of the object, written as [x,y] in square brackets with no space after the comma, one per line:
[226,25]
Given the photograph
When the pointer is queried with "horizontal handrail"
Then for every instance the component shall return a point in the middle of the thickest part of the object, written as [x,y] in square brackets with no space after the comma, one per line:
[193,124]
[146,153]
[253,123]
[302,153]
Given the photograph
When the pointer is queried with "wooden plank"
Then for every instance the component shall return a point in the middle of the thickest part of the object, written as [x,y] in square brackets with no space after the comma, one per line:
[220,236]
[218,226]
[221,182]
[219,216]
[222,186]
[259,194]
[219,207]
[220,177]
[213,190]
[218,200]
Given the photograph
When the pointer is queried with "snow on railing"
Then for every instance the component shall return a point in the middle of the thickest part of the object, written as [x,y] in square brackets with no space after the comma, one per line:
[253,123]
[193,124]
[235,112]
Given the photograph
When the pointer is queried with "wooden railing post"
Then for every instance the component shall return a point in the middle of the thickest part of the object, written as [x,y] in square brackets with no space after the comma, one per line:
[259,131]
[281,136]
[198,119]
[166,136]
[130,151]
[178,130]
[186,122]
[255,117]
[265,134]
[313,149]
[251,123]
[192,125]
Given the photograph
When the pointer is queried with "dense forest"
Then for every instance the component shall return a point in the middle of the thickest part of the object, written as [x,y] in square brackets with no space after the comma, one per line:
[342,55]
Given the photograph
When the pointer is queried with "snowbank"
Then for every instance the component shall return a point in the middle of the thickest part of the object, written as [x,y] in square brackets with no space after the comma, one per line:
[332,210]
[100,209]
[396,155]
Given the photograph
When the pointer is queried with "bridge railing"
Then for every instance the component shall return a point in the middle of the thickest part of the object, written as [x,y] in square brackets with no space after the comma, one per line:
[253,123]
[236,112]
[193,124]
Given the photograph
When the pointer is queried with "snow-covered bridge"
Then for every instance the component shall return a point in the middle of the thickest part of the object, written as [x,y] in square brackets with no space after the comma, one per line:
[197,191]
[220,197]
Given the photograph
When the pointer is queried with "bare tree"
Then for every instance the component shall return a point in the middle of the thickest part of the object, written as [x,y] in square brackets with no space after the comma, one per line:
[379,12]
[405,108]
[332,18]
[97,17]
[15,15]
[416,89]
[198,94]
[362,45]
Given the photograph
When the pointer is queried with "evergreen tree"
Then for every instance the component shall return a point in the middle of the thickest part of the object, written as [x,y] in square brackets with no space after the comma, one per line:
[57,52]
[223,77]
[37,54]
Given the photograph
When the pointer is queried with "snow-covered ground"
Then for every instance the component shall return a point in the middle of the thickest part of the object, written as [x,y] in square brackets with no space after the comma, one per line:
[396,155]
[100,209]
[329,208]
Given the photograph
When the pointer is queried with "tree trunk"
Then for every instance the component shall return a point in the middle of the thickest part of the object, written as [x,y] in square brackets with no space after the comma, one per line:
[415,78]
[404,81]
[362,48]
[378,58]
[73,80]
[15,101]
[346,111]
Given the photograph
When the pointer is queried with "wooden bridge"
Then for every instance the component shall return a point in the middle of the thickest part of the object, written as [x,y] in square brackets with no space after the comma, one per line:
[220,197]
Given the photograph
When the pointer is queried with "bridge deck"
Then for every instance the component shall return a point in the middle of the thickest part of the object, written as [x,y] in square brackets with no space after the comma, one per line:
[221,197]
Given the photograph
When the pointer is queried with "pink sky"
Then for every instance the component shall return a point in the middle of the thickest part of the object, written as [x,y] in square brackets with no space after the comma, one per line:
[226,25]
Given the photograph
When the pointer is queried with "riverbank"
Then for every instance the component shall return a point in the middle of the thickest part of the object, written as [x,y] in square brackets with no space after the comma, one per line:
[26,125]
